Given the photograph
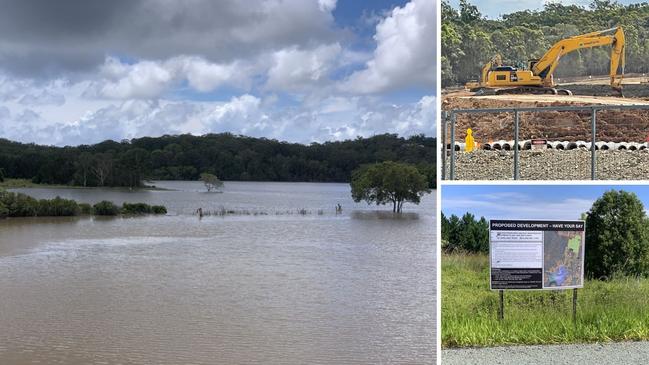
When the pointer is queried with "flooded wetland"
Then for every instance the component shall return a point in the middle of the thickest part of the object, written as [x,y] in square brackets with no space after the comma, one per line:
[282,279]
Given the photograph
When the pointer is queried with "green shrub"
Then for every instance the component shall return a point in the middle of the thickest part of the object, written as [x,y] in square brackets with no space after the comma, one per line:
[4,211]
[57,207]
[159,209]
[85,208]
[136,208]
[105,207]
[19,205]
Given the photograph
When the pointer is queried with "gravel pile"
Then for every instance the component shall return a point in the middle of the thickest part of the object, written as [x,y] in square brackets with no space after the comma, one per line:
[550,165]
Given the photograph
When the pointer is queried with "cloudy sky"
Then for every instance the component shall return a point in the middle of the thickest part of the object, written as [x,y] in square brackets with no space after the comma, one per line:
[495,8]
[79,71]
[529,201]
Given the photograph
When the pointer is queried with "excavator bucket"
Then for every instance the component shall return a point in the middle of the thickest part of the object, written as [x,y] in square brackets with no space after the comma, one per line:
[618,90]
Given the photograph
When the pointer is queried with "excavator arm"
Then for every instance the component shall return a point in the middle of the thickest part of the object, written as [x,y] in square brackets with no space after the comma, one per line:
[545,66]
[618,60]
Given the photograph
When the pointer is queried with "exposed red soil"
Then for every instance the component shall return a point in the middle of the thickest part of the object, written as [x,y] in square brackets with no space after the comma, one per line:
[612,125]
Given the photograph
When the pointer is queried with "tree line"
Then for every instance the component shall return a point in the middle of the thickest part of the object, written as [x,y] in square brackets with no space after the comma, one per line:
[228,156]
[469,40]
[465,234]
[617,236]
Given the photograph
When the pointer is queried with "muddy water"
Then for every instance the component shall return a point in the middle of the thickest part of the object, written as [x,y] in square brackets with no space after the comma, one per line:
[357,287]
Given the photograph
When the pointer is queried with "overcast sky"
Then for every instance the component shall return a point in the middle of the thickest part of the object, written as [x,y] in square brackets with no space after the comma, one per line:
[80,71]
[529,201]
[493,9]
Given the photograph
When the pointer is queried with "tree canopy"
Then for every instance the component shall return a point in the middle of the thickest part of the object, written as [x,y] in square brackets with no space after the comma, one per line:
[389,182]
[617,236]
[211,182]
[469,39]
[466,234]
[231,157]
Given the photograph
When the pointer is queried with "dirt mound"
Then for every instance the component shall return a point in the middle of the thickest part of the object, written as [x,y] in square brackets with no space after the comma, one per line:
[612,125]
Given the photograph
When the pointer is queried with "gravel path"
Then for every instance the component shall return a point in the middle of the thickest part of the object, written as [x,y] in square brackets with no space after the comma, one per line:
[551,165]
[609,353]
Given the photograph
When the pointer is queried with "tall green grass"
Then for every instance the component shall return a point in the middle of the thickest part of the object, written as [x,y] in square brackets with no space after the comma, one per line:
[615,310]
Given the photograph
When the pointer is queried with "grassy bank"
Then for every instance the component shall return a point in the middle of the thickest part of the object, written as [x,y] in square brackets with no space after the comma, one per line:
[616,310]
[9,183]
[25,183]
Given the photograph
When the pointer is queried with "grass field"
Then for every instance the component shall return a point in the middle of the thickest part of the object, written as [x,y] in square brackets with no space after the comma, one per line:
[616,310]
[21,183]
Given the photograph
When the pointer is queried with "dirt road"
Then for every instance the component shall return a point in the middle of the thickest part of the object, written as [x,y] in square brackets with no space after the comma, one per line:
[563,99]
[610,353]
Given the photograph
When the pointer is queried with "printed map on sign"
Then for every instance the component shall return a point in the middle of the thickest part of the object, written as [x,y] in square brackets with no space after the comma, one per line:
[563,258]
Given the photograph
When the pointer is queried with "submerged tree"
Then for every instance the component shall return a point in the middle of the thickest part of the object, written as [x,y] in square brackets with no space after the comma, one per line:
[211,181]
[389,182]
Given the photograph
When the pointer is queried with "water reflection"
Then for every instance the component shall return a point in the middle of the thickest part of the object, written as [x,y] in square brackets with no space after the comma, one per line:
[359,214]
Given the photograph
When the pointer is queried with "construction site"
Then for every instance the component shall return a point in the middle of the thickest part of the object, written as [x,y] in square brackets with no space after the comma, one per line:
[549,123]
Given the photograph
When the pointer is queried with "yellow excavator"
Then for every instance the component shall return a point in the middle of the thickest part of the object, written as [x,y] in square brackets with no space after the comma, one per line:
[537,79]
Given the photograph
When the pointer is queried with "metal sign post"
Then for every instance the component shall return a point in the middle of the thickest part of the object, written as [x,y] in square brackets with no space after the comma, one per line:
[444,117]
[593,158]
[574,306]
[452,146]
[501,311]
[516,124]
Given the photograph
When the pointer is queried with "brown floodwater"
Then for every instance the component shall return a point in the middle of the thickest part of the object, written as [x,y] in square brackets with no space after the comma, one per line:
[277,287]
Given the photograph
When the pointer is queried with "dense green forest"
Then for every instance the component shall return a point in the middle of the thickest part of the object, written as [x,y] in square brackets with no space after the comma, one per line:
[465,234]
[469,40]
[230,157]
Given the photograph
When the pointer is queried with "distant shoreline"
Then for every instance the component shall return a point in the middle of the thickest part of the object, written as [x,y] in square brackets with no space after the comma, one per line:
[10,183]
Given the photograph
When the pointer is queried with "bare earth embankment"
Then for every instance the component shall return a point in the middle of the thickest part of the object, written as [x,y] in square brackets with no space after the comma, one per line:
[612,125]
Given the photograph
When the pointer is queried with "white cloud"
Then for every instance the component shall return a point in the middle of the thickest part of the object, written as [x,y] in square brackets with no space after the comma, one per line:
[205,76]
[151,79]
[43,97]
[327,5]
[273,83]
[295,69]
[335,118]
[405,51]
[145,79]
[5,114]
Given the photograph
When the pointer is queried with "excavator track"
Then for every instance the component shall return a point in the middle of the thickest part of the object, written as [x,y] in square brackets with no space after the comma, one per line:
[533,90]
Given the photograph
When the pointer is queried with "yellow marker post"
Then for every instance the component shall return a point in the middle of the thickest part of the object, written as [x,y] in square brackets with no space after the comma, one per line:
[469,143]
